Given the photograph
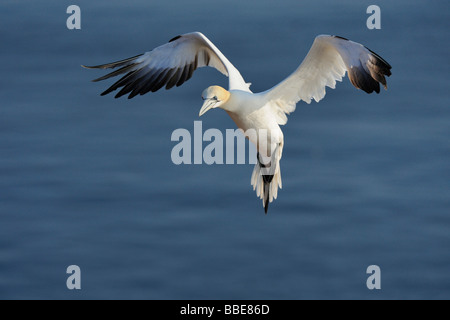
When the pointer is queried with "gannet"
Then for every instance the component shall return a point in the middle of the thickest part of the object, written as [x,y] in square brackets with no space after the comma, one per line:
[258,115]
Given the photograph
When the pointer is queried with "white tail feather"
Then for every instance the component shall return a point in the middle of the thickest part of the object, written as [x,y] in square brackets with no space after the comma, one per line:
[258,181]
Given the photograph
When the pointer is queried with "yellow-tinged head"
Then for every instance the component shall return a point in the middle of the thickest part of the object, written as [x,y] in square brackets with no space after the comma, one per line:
[214,97]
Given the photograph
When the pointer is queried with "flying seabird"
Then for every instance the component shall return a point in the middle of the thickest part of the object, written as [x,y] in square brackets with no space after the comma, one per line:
[258,115]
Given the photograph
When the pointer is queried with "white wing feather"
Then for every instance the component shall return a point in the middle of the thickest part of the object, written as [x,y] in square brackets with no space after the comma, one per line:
[328,60]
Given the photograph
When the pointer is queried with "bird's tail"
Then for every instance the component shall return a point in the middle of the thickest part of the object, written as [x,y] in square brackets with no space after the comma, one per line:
[266,177]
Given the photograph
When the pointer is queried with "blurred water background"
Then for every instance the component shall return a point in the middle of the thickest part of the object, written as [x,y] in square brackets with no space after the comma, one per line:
[88,180]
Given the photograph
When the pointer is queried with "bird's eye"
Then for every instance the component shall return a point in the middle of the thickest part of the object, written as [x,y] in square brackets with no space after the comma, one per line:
[215,98]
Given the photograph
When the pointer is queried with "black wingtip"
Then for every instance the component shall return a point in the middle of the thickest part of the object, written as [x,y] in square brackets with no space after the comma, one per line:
[342,38]
[369,81]
[386,64]
[113,64]
[174,39]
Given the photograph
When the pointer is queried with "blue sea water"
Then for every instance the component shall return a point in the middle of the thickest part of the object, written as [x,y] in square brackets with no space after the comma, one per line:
[88,180]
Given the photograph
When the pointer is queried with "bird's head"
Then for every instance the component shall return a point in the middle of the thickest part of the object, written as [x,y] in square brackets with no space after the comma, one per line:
[214,97]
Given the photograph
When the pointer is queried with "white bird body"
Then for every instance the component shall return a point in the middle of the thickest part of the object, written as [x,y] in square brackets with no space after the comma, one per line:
[258,115]
[253,112]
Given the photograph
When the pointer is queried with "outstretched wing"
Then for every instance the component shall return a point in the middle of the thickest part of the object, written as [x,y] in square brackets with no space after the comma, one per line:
[169,65]
[329,58]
